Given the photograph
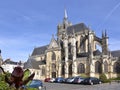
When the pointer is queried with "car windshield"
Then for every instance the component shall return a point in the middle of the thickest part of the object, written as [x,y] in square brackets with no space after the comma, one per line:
[34,82]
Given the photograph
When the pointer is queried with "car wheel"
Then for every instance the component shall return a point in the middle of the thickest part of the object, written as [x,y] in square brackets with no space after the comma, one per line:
[91,83]
[100,82]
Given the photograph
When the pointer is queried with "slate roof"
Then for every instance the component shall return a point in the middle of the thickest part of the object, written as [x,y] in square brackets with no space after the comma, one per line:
[77,28]
[33,64]
[8,61]
[97,52]
[115,53]
[39,50]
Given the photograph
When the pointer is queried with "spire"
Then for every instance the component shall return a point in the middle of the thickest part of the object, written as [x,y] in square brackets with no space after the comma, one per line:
[52,37]
[105,33]
[65,14]
[65,19]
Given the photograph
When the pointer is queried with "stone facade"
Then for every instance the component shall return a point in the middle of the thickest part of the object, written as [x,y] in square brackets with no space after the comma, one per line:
[75,52]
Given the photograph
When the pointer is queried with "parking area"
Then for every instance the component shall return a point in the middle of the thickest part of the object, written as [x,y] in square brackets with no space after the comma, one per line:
[62,86]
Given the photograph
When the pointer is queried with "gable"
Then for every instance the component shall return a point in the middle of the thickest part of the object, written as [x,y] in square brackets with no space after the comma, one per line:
[53,44]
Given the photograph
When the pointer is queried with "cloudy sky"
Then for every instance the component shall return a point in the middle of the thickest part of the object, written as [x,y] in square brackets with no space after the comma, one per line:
[26,24]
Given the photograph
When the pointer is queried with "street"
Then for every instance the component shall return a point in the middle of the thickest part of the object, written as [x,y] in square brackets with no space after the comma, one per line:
[61,86]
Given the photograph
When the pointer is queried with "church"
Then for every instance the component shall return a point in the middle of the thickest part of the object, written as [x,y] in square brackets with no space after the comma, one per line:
[74,53]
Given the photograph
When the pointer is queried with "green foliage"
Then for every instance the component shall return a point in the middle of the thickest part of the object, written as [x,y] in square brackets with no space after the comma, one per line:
[103,78]
[32,89]
[5,86]
[26,74]
[118,78]
[84,75]
[2,77]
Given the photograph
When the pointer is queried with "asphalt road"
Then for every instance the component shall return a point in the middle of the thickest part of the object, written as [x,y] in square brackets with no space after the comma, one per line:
[59,86]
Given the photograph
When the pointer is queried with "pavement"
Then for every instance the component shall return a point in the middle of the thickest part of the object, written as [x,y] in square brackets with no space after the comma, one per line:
[62,86]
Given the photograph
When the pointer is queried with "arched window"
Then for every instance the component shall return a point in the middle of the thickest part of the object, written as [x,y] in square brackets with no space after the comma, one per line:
[82,44]
[116,67]
[105,67]
[63,70]
[98,67]
[69,48]
[70,69]
[53,56]
[77,49]
[70,51]
[43,71]
[81,68]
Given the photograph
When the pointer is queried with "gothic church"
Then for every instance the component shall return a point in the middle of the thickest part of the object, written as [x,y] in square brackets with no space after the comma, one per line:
[74,53]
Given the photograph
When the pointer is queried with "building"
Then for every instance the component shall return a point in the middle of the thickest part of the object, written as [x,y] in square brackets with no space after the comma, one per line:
[9,65]
[74,53]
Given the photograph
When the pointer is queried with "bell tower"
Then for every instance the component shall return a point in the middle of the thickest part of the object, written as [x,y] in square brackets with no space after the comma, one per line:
[104,43]
[61,28]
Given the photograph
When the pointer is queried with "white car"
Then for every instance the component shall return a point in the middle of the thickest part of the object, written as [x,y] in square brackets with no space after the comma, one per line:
[52,80]
[70,80]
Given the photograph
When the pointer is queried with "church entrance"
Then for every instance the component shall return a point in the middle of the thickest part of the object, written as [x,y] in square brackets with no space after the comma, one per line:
[53,74]
[53,70]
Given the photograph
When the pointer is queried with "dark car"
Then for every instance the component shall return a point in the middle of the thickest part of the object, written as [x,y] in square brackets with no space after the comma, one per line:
[35,84]
[91,81]
[59,80]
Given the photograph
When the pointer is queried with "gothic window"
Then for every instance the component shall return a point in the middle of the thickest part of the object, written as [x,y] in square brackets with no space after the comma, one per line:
[81,68]
[116,67]
[77,47]
[82,44]
[105,67]
[53,67]
[98,67]
[70,69]
[43,71]
[61,43]
[63,70]
[69,48]
[62,51]
[70,51]
[53,56]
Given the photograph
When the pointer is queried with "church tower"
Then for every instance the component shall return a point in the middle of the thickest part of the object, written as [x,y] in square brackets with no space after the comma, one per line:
[104,43]
[61,28]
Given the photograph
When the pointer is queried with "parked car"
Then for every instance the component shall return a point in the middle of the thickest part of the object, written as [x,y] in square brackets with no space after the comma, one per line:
[91,81]
[78,80]
[70,80]
[35,84]
[47,80]
[65,80]
[52,80]
[59,80]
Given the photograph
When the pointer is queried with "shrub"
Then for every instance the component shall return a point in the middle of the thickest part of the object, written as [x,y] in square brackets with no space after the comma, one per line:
[103,78]
[5,86]
[84,75]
